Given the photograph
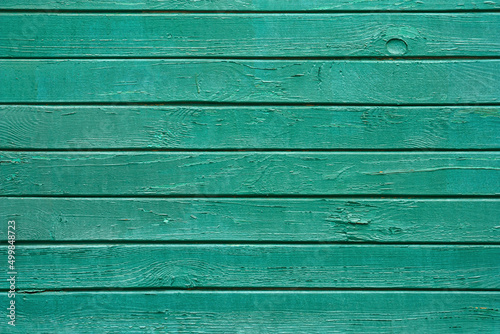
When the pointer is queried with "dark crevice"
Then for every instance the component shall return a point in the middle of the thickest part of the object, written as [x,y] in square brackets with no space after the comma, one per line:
[84,243]
[280,150]
[246,289]
[263,58]
[261,196]
[238,104]
[270,12]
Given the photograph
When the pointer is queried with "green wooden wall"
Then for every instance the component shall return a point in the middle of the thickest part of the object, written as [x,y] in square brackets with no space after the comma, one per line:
[252,166]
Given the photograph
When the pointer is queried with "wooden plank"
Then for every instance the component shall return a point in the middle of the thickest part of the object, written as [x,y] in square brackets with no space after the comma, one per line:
[260,127]
[223,219]
[255,266]
[256,312]
[252,35]
[264,81]
[252,5]
[250,173]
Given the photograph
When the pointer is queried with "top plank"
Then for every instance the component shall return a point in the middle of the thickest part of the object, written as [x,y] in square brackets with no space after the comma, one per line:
[35,35]
[252,5]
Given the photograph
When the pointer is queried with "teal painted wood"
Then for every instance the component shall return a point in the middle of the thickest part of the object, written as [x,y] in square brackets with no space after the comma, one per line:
[252,5]
[250,173]
[264,219]
[273,81]
[256,266]
[280,312]
[252,35]
[149,245]
[262,127]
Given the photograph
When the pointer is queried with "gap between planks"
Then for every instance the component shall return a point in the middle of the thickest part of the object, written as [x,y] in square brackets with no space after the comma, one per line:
[378,59]
[85,243]
[242,289]
[245,104]
[264,196]
[267,12]
[249,150]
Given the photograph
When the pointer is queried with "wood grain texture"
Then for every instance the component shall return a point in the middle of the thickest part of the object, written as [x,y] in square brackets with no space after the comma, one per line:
[262,127]
[156,159]
[359,82]
[268,219]
[256,266]
[251,5]
[257,312]
[249,173]
[252,35]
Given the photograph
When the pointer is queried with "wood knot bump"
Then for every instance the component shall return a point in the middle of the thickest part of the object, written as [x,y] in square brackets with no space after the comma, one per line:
[396,46]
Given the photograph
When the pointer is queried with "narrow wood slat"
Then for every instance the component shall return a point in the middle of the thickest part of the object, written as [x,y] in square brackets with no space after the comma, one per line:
[251,5]
[263,127]
[273,81]
[222,219]
[256,312]
[256,266]
[263,35]
[249,173]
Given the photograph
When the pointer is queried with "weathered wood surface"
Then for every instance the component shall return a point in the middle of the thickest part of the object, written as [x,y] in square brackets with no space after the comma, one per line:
[252,5]
[259,127]
[267,219]
[252,35]
[273,81]
[256,266]
[124,241]
[257,312]
[250,173]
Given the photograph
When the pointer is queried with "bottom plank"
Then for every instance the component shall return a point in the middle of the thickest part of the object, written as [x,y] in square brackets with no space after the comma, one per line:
[255,312]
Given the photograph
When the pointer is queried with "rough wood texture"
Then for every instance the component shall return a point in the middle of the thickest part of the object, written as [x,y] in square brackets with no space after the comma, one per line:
[285,312]
[272,166]
[262,127]
[252,5]
[267,219]
[257,266]
[252,35]
[250,173]
[368,81]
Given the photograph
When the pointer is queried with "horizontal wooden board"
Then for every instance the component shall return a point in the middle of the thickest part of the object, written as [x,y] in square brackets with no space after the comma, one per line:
[252,35]
[257,266]
[250,219]
[271,81]
[249,173]
[251,5]
[259,127]
[255,312]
